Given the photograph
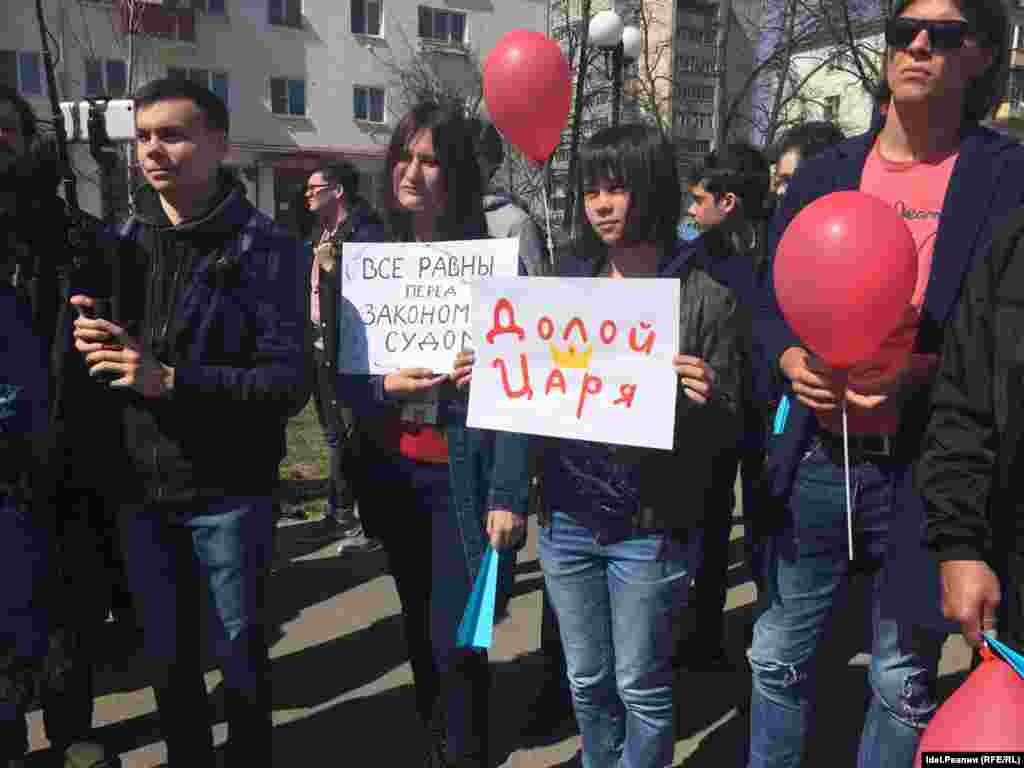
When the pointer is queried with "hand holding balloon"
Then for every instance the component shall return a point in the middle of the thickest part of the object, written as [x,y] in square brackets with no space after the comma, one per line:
[815,384]
[845,273]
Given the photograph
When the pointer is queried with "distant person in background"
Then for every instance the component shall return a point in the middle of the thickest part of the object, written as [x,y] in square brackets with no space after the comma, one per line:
[729,193]
[332,195]
[801,143]
[506,217]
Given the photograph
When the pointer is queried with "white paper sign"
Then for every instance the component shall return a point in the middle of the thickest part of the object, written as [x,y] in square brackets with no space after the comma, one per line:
[408,305]
[583,358]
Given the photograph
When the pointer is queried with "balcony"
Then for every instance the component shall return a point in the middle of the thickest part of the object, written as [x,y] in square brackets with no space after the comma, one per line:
[164,21]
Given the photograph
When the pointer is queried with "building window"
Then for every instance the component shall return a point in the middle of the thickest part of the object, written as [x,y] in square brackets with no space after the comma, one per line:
[1015,86]
[366,17]
[831,111]
[208,6]
[106,78]
[447,27]
[217,82]
[286,13]
[288,96]
[699,64]
[23,71]
[698,92]
[368,104]
[697,35]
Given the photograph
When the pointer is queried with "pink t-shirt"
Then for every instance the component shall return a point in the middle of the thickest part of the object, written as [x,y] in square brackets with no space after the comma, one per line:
[916,190]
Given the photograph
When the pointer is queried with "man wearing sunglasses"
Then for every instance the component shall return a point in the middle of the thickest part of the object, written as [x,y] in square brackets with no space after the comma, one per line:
[332,195]
[928,157]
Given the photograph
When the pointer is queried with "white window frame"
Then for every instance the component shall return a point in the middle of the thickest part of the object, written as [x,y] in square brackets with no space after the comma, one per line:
[366,15]
[369,112]
[287,80]
[464,42]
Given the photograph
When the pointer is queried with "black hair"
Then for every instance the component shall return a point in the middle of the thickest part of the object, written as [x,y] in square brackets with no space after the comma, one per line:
[342,174]
[453,148]
[989,21]
[641,160]
[738,168]
[487,142]
[809,139]
[209,103]
[29,125]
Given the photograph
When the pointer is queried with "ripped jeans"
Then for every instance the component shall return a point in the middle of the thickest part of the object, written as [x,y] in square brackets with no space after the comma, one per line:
[809,565]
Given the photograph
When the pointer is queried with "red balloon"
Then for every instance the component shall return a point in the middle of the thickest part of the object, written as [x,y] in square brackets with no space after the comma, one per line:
[982,715]
[845,272]
[528,91]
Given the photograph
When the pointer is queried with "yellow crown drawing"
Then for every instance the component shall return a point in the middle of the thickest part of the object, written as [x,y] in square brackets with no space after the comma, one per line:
[570,358]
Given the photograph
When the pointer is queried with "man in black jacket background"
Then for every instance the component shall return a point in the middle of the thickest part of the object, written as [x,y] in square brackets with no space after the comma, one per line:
[969,472]
[63,498]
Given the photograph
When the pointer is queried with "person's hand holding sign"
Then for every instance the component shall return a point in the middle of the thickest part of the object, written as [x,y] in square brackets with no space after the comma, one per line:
[411,383]
[463,372]
[696,376]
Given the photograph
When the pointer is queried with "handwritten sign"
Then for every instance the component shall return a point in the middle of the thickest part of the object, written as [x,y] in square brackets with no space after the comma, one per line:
[408,305]
[582,358]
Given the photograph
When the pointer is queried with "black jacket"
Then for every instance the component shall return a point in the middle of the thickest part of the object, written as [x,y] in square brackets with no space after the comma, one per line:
[362,226]
[223,299]
[34,240]
[679,487]
[971,465]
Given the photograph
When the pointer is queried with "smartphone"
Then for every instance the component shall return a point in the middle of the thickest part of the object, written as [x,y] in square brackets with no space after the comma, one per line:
[118,116]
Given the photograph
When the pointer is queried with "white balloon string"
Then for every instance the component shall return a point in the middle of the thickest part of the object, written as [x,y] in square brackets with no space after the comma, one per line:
[846,470]
[547,219]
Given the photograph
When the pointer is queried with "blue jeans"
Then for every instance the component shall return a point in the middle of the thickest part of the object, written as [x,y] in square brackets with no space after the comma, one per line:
[182,560]
[807,566]
[615,604]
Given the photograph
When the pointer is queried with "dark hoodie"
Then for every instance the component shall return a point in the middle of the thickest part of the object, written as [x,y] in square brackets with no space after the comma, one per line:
[221,299]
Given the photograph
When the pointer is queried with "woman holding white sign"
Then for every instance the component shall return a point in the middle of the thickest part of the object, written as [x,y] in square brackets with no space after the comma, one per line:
[621,525]
[436,492]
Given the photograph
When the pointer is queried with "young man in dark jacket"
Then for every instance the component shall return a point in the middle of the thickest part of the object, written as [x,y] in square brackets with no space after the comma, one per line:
[332,195]
[728,193]
[969,472]
[206,349]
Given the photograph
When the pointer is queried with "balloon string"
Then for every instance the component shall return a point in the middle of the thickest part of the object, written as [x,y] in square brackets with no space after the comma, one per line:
[846,470]
[547,219]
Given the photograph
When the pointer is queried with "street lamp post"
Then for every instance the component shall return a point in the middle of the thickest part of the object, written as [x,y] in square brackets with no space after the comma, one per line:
[607,32]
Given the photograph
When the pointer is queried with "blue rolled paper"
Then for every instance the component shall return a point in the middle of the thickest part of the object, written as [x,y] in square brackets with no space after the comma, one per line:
[476,630]
[1006,653]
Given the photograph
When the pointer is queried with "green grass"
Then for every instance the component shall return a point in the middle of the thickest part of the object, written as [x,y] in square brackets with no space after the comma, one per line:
[304,469]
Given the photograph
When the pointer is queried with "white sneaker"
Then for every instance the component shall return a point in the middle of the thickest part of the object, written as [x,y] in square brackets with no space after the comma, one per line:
[354,540]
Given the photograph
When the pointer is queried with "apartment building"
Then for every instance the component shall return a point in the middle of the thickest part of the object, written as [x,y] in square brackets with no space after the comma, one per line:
[306,81]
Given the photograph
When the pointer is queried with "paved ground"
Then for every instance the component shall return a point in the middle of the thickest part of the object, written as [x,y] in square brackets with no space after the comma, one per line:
[343,690]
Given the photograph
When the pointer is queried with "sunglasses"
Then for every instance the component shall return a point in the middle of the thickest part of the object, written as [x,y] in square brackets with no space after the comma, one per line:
[901,31]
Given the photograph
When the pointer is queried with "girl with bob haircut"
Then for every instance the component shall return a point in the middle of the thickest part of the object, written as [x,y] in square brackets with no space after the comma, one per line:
[432,490]
[619,542]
